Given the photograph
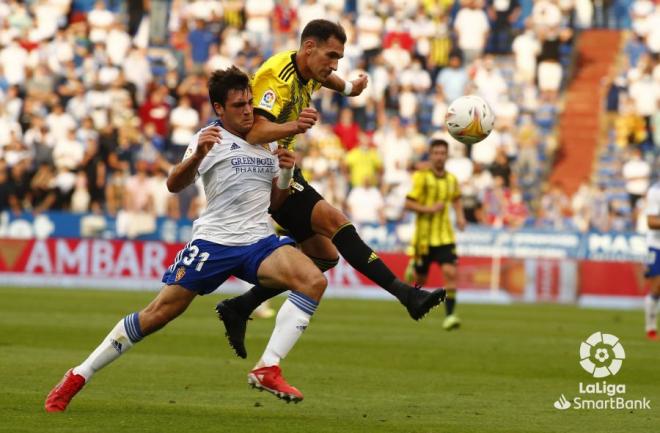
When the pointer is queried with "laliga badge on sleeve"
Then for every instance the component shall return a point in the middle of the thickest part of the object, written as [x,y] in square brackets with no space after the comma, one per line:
[268,100]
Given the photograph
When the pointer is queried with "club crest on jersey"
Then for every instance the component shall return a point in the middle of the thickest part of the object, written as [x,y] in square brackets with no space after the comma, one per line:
[268,100]
[180,273]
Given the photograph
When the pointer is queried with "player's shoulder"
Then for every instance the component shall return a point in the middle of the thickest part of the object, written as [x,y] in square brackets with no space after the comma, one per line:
[279,67]
[451,177]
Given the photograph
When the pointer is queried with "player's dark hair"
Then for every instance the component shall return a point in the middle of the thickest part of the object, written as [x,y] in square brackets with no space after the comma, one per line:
[322,30]
[222,81]
[439,142]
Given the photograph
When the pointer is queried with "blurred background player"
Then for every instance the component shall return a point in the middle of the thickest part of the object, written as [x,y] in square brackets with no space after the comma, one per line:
[283,87]
[232,237]
[434,191]
[653,269]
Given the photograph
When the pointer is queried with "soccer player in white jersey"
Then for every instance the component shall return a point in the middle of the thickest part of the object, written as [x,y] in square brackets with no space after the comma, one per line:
[653,263]
[232,237]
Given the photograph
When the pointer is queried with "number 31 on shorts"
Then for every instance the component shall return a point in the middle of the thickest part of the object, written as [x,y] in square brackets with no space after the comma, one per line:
[193,252]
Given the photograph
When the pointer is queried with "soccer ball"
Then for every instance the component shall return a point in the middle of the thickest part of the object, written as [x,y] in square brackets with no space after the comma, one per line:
[469,119]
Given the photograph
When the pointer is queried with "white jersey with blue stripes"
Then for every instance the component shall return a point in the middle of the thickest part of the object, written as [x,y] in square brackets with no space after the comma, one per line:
[237,178]
[653,208]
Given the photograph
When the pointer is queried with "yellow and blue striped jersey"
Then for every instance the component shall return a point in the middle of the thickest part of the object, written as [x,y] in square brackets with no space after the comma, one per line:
[280,92]
[432,230]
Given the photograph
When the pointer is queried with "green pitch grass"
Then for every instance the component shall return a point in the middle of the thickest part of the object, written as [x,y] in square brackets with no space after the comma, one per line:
[363,366]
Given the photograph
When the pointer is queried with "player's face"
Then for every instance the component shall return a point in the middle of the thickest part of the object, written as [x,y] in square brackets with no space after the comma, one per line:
[237,115]
[438,157]
[324,58]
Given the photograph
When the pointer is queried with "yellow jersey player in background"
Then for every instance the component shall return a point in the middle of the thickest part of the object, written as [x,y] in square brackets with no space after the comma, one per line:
[283,87]
[434,190]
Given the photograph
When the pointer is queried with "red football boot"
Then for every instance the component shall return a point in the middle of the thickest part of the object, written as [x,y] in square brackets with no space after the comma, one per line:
[60,396]
[270,379]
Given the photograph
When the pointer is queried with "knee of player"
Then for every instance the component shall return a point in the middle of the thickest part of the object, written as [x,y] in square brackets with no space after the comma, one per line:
[318,282]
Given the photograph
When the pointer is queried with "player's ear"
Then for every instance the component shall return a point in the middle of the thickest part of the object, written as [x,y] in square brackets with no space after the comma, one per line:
[308,46]
[219,110]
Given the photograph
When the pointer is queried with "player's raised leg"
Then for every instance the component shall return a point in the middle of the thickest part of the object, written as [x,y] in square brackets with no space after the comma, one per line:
[329,221]
[287,267]
[170,302]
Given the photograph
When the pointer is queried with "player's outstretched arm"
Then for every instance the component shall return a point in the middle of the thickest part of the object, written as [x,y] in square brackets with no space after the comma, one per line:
[184,173]
[265,131]
[348,88]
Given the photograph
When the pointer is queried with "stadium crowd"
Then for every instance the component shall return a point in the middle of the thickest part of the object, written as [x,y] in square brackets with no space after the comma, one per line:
[99,99]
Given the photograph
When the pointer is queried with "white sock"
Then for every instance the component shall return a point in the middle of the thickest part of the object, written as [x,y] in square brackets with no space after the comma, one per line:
[292,320]
[650,310]
[123,336]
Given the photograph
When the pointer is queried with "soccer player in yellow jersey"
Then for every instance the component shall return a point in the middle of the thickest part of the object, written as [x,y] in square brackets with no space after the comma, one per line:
[283,87]
[434,190]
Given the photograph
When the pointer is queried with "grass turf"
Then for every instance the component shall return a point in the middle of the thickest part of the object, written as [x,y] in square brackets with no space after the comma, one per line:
[362,365]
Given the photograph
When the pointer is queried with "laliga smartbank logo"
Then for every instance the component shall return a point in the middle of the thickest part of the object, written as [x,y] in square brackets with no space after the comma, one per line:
[601,355]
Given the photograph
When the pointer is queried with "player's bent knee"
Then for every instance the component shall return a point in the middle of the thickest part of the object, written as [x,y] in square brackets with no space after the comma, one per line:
[312,284]
[327,219]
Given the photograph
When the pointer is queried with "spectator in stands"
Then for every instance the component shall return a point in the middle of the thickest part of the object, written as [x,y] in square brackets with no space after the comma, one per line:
[184,121]
[501,167]
[526,48]
[285,21]
[259,14]
[460,165]
[550,71]
[137,216]
[527,161]
[14,60]
[472,29]
[502,15]
[200,39]
[42,185]
[553,209]
[515,212]
[100,21]
[80,198]
[157,111]
[637,174]
[495,203]
[369,28]
[629,126]
[347,129]
[60,123]
[453,79]
[7,127]
[489,81]
[68,152]
[363,163]
[395,149]
[365,203]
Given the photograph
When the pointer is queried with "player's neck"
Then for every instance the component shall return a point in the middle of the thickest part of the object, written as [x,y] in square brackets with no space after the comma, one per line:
[439,172]
[301,66]
[229,129]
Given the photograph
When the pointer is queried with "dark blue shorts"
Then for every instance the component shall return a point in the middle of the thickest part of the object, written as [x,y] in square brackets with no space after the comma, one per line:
[653,263]
[202,266]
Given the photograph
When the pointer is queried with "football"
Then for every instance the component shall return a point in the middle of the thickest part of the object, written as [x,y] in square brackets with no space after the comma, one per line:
[469,119]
